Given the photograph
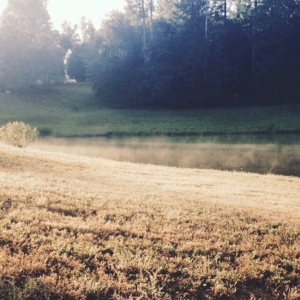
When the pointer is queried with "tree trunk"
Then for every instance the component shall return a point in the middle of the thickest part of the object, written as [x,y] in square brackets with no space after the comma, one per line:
[151,19]
[144,33]
[225,12]
[253,58]
[206,40]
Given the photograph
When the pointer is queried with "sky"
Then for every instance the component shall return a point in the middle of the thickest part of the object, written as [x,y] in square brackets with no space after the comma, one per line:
[73,10]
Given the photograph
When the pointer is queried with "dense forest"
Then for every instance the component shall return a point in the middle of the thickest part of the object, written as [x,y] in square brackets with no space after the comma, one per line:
[164,53]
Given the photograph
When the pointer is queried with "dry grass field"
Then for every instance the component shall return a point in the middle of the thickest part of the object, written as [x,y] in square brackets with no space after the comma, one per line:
[76,227]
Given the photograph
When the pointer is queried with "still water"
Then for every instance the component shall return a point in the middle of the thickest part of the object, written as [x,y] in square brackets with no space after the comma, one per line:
[247,157]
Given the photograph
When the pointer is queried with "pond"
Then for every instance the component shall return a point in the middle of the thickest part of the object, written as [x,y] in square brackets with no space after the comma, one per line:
[260,156]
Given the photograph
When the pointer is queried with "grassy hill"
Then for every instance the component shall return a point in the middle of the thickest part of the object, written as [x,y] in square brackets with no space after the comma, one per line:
[70,110]
[75,227]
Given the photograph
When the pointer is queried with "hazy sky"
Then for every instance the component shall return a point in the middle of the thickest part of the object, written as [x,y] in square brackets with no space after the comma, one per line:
[73,10]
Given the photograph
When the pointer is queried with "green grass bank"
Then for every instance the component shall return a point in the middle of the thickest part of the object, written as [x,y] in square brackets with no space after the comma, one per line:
[71,111]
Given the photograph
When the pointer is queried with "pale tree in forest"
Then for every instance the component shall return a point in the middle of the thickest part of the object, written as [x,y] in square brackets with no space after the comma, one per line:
[69,35]
[205,39]
[140,13]
[88,30]
[254,30]
[165,9]
[151,10]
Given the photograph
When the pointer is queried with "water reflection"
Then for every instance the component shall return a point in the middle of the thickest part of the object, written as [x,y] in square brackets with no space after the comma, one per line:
[249,157]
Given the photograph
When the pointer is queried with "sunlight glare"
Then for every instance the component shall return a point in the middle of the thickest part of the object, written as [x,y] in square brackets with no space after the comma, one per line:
[3,4]
[72,11]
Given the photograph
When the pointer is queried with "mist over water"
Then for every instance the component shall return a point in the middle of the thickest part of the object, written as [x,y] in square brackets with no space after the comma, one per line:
[258,158]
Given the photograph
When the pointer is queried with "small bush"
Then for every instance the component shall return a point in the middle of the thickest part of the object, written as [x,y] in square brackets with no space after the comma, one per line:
[18,134]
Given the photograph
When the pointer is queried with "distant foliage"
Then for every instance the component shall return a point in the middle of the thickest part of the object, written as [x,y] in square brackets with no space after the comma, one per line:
[18,134]
[198,54]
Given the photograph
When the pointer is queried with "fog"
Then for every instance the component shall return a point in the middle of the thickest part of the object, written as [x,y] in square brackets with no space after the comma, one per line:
[258,158]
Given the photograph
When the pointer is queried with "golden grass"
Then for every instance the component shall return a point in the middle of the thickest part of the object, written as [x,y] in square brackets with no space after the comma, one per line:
[89,228]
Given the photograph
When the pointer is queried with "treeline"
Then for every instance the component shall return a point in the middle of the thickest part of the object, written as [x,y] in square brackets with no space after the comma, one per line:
[189,53]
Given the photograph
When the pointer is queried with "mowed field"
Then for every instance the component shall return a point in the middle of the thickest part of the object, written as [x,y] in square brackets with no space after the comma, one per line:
[76,227]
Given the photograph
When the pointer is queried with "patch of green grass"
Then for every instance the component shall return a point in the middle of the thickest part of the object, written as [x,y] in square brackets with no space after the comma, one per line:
[71,110]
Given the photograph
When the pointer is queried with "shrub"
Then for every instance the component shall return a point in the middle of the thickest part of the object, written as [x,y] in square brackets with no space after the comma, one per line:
[18,134]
